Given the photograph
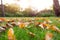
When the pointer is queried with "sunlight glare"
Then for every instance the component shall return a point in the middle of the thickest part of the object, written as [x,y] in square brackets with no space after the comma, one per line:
[34,4]
[23,4]
[41,4]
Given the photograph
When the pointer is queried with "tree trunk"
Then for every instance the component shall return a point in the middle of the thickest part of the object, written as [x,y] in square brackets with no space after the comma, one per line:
[56,7]
[2,8]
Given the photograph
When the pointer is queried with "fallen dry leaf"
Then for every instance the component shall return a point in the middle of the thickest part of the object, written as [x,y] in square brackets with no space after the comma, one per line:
[55,28]
[21,25]
[48,36]
[31,34]
[11,34]
[9,25]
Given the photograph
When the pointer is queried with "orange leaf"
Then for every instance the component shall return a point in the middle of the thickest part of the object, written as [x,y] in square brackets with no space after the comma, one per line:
[48,36]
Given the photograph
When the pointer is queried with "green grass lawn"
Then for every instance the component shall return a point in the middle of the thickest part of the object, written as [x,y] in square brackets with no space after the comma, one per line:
[22,34]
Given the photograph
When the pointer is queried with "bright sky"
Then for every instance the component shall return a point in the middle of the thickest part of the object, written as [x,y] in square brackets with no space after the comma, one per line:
[35,4]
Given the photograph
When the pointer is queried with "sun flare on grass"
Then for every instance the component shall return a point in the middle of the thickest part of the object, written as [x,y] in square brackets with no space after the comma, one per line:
[34,4]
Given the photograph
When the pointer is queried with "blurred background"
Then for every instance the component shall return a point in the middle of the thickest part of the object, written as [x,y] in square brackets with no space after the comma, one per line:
[29,8]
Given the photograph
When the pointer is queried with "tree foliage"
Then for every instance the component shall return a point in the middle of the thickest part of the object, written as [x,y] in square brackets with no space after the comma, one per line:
[12,8]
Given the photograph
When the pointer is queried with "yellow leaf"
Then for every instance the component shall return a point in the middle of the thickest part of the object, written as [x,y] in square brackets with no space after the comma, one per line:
[11,34]
[21,25]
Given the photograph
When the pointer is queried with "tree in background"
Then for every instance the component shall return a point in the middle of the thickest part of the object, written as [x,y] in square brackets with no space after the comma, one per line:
[56,7]
[12,8]
[29,12]
[2,9]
